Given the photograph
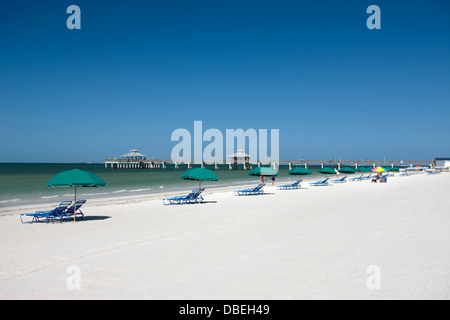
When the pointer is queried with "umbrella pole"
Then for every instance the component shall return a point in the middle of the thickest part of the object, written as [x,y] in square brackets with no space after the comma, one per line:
[74,205]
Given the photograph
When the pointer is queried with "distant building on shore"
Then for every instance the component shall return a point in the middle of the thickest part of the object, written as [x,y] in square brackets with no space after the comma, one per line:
[442,162]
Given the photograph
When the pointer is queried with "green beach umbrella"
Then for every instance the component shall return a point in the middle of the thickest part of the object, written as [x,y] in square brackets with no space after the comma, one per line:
[75,178]
[327,170]
[300,171]
[363,169]
[393,169]
[199,174]
[347,170]
[263,171]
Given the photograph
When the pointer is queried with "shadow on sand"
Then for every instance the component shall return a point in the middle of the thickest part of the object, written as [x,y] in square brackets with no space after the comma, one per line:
[93,218]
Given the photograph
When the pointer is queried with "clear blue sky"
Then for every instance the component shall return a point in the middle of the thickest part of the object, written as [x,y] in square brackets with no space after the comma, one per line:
[137,70]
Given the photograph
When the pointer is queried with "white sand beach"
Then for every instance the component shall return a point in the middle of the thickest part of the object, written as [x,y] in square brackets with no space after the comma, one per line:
[312,243]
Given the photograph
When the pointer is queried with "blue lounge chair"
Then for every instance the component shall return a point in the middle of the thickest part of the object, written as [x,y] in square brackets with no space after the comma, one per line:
[357,178]
[47,215]
[320,183]
[193,197]
[295,185]
[368,177]
[70,211]
[250,192]
[343,180]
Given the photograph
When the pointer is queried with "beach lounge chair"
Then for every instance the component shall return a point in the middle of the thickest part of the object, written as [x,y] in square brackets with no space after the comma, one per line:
[357,178]
[193,197]
[368,177]
[343,180]
[47,215]
[295,185]
[70,211]
[250,192]
[320,183]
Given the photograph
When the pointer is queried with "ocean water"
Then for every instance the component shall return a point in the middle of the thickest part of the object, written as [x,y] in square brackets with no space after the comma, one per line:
[25,182]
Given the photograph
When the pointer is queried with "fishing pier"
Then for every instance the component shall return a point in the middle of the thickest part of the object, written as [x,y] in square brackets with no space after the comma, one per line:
[241,161]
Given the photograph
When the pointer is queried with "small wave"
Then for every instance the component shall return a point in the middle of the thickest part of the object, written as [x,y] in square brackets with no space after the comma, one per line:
[96,194]
[12,200]
[49,197]
[161,187]
[138,190]
[119,191]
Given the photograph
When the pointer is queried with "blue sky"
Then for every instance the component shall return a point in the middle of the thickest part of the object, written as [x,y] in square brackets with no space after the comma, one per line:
[138,70]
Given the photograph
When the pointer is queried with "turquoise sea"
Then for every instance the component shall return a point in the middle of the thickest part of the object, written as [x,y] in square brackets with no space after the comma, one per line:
[25,182]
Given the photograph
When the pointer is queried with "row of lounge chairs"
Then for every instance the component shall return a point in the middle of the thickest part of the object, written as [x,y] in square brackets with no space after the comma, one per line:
[296,184]
[65,210]
[195,195]
[361,177]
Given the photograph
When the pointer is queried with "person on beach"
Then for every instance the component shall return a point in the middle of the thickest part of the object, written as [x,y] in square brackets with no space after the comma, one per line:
[376,178]
[263,179]
[273,180]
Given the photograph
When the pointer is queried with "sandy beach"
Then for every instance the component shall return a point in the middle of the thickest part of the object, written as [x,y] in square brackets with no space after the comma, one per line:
[312,243]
